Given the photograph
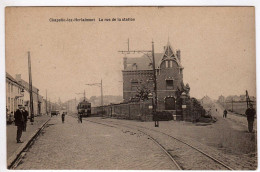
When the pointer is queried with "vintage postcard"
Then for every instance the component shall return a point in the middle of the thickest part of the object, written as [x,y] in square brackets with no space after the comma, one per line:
[130,88]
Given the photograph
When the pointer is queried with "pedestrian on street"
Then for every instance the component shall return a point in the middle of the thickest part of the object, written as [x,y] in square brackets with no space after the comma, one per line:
[63,117]
[250,114]
[19,122]
[225,114]
[80,117]
[25,115]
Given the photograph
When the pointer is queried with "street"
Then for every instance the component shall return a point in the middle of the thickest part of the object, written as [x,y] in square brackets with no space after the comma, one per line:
[104,143]
[73,145]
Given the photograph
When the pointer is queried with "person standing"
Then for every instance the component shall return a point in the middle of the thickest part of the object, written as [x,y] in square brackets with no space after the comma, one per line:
[250,114]
[63,117]
[25,115]
[225,114]
[80,117]
[19,122]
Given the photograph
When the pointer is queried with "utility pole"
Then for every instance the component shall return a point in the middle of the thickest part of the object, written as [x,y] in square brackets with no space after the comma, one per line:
[84,94]
[102,103]
[75,105]
[232,104]
[147,53]
[101,89]
[46,103]
[30,88]
[50,104]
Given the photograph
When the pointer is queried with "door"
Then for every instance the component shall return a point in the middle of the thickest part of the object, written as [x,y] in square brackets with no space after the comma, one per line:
[169,103]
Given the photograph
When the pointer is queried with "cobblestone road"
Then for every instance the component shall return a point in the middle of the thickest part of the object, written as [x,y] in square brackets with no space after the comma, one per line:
[92,146]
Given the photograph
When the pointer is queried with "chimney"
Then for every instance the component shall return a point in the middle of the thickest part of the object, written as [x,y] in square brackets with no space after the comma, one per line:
[18,77]
[125,62]
[178,54]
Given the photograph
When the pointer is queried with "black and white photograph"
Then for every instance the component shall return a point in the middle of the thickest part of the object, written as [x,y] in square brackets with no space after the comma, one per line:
[130,88]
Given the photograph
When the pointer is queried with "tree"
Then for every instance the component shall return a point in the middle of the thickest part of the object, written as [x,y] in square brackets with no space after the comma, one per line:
[142,92]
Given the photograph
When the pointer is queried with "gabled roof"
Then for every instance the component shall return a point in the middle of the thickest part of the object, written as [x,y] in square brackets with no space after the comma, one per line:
[143,62]
[7,75]
[168,52]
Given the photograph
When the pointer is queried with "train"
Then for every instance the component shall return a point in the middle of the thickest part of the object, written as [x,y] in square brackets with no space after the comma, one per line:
[84,108]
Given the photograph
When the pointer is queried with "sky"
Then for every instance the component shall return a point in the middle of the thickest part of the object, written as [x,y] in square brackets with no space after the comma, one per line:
[217,47]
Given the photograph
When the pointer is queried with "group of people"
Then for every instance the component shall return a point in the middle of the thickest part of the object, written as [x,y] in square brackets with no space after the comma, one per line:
[63,117]
[21,118]
[250,115]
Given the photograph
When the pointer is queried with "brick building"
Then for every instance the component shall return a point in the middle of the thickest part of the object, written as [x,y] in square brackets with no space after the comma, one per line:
[138,73]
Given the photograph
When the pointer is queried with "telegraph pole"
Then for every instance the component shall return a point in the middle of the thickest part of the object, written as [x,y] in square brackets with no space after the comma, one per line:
[102,103]
[30,88]
[232,104]
[84,94]
[101,89]
[46,103]
[50,104]
[156,122]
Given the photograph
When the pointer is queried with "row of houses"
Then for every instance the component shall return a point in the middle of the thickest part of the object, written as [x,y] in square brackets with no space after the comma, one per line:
[17,92]
[235,98]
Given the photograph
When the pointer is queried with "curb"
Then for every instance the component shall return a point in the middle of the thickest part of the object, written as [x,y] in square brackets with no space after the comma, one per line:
[11,161]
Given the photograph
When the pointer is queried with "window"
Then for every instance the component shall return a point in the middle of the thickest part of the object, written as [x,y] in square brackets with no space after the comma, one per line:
[170,64]
[9,105]
[11,87]
[169,84]
[134,85]
[167,64]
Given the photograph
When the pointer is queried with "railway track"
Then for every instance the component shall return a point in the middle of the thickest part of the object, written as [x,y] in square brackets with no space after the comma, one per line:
[152,139]
[225,166]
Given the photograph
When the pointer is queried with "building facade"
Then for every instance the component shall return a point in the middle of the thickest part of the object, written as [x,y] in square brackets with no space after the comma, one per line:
[17,92]
[14,94]
[138,74]
[36,96]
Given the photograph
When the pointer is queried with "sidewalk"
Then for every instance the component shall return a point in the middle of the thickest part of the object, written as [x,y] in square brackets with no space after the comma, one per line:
[13,147]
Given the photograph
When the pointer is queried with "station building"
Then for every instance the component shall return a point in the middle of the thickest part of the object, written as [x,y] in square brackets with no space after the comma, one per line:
[169,74]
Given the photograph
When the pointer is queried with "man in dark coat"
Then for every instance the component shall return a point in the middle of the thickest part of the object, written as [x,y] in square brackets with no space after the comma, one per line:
[80,117]
[225,113]
[250,114]
[25,115]
[19,122]
[63,117]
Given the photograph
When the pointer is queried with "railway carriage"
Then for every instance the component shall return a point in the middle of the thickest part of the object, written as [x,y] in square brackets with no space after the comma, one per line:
[84,108]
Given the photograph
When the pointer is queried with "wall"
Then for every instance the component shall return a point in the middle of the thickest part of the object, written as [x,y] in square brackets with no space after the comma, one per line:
[132,111]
